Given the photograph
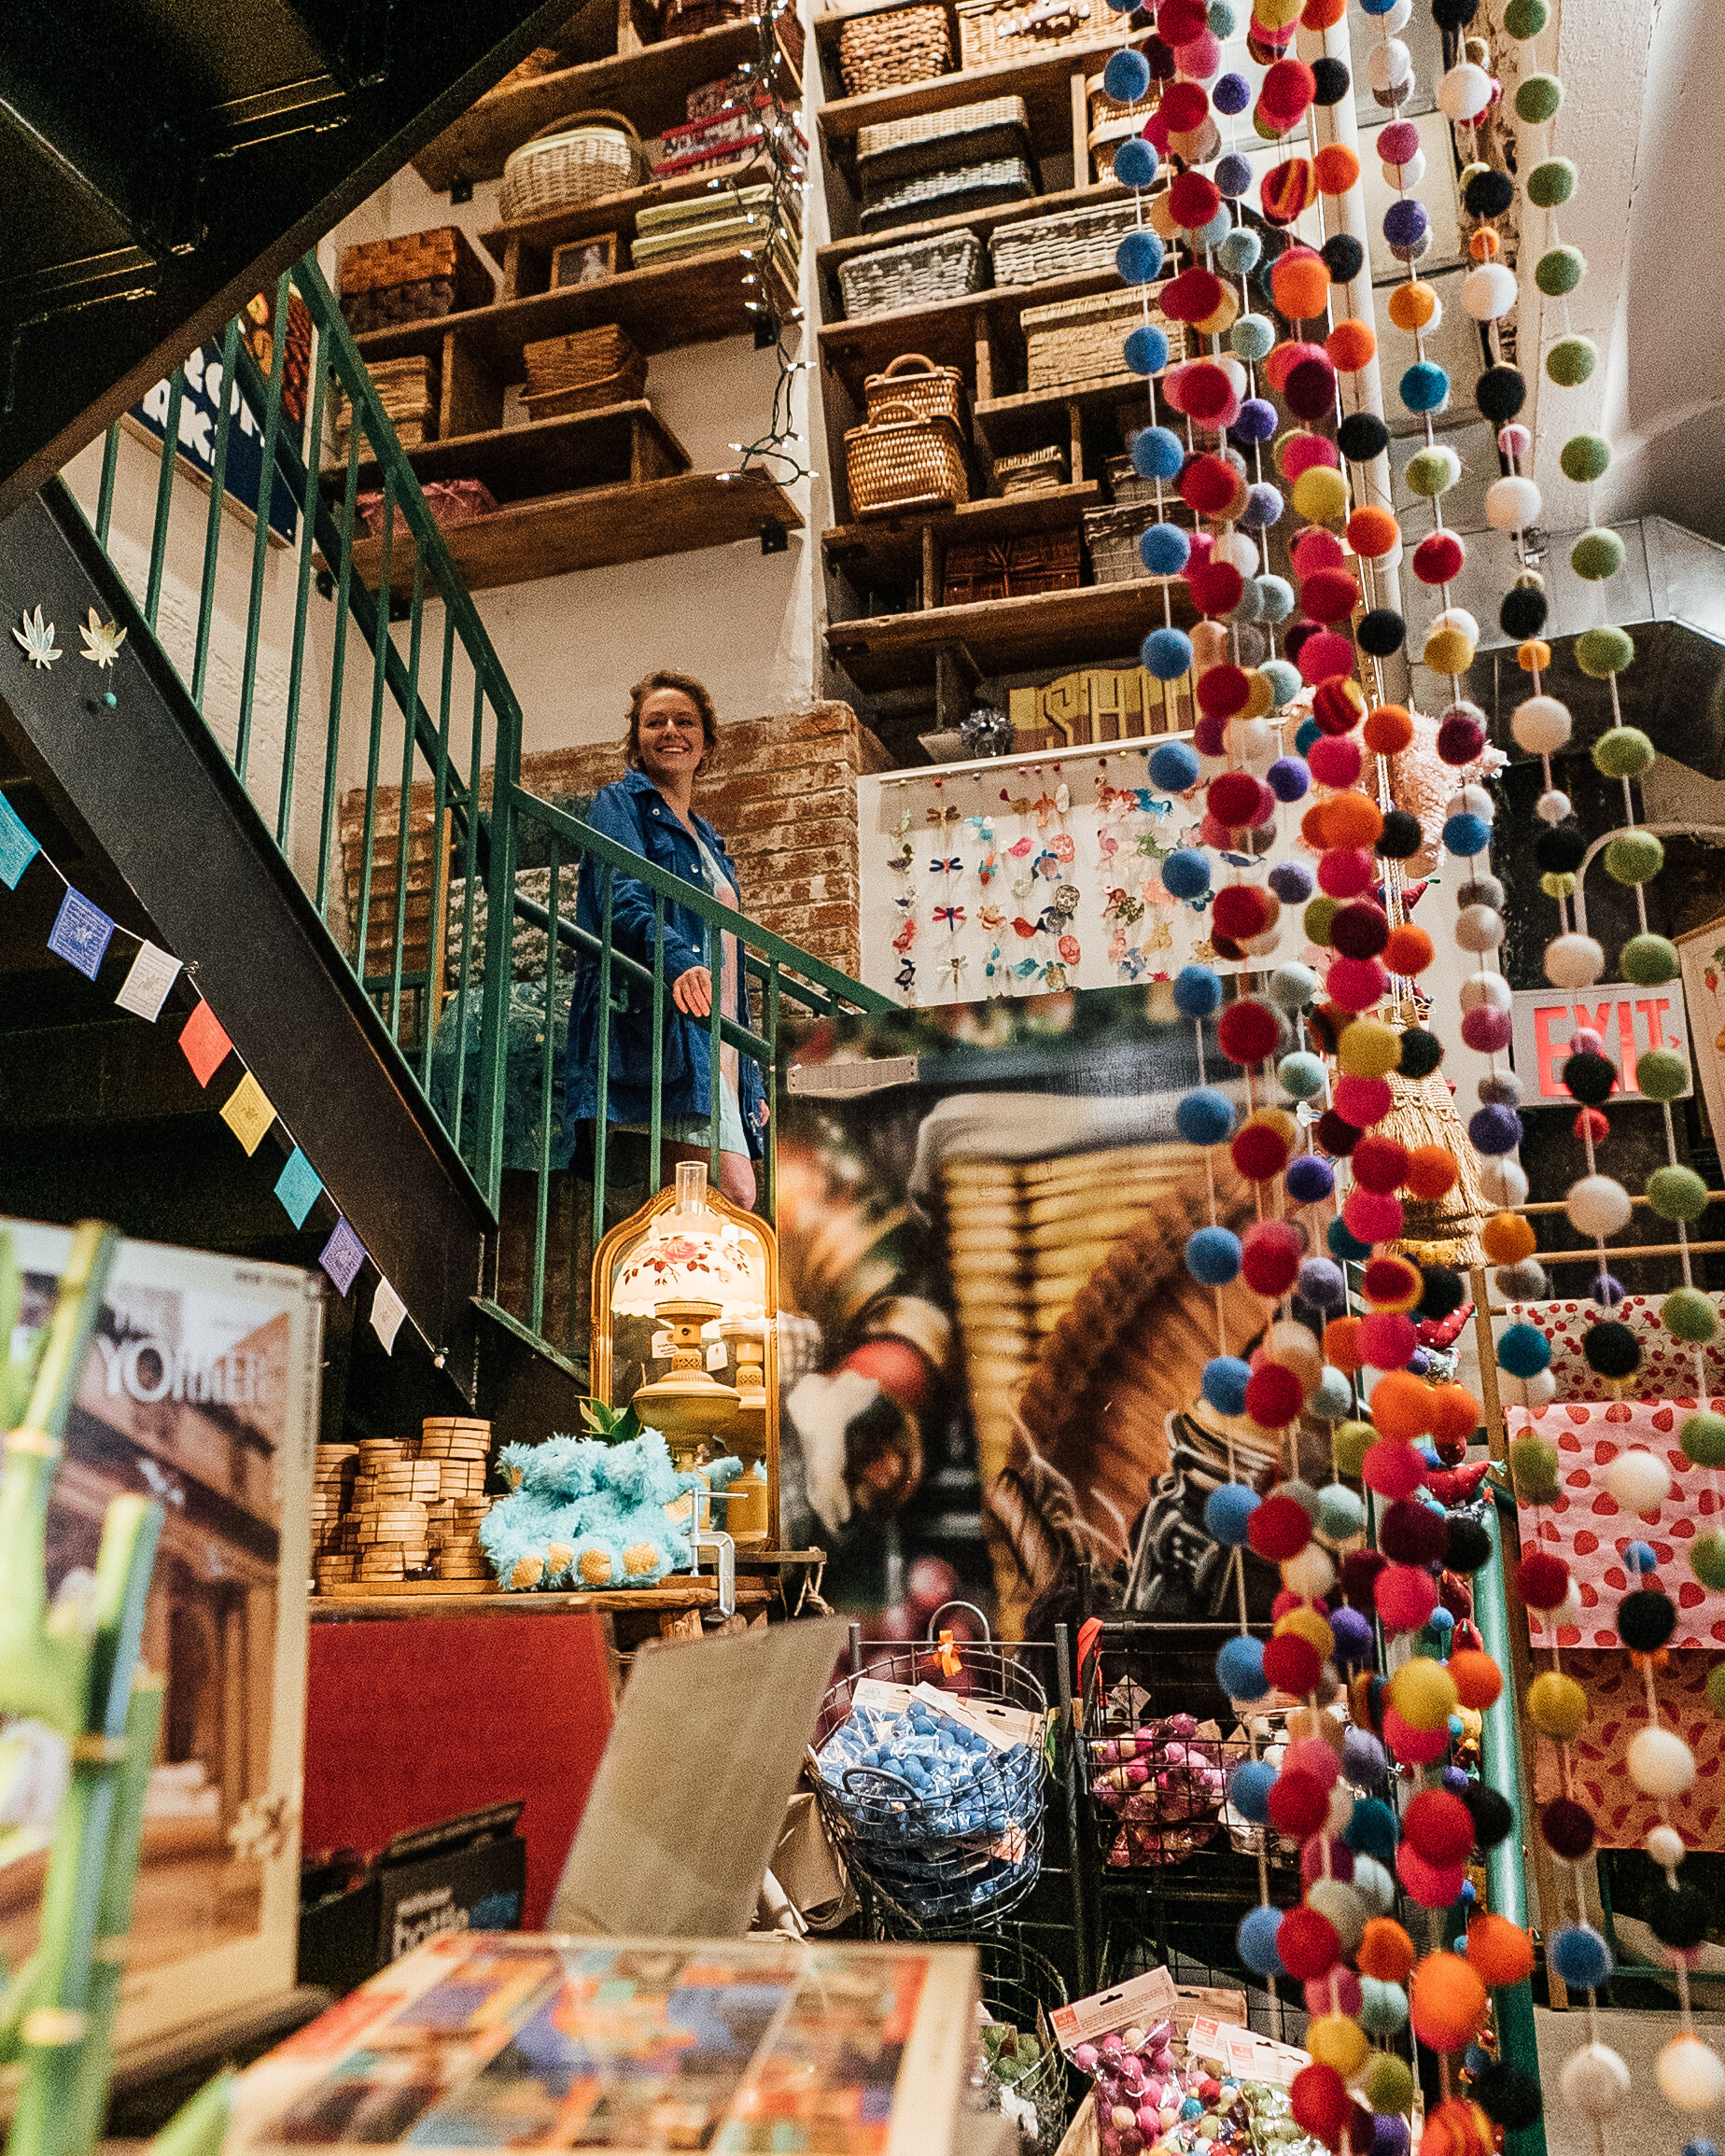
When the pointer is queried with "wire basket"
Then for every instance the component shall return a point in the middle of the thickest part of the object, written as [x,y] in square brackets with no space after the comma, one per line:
[1021,1990]
[949,1834]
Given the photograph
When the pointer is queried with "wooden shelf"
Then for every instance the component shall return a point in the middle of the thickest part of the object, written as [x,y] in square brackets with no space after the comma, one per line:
[691,300]
[890,547]
[612,444]
[947,330]
[1036,415]
[596,529]
[1045,83]
[1043,633]
[685,1591]
[652,85]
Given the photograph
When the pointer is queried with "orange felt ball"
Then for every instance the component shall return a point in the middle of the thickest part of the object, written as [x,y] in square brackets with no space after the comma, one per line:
[1477,1680]
[1534,656]
[1352,820]
[1341,1344]
[1456,2128]
[1350,343]
[1336,169]
[1385,1950]
[1445,2002]
[1388,729]
[1401,1406]
[1484,245]
[1498,1952]
[1412,306]
[1314,825]
[1431,1172]
[1300,285]
[1322,14]
[1408,951]
[1373,531]
[1508,1239]
[1455,1412]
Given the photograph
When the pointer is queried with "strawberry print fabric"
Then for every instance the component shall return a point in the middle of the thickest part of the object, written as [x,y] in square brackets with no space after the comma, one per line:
[1598,1756]
[1668,1369]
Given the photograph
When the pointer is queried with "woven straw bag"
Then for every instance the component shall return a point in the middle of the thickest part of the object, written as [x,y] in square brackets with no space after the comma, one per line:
[928,390]
[578,160]
[904,456]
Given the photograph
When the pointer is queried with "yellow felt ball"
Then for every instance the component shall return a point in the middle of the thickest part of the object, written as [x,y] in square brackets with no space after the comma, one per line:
[1556,1705]
[1422,1692]
[1508,1239]
[1334,2040]
[1368,1049]
[1160,217]
[1321,494]
[1227,313]
[1276,14]
[1310,1625]
[1412,306]
[1260,695]
[1449,652]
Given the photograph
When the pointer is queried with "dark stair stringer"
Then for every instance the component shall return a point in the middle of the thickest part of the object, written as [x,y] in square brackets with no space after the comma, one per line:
[174,847]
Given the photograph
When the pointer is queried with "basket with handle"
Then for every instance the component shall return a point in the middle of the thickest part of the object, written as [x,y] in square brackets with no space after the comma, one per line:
[577,159]
[902,456]
[929,390]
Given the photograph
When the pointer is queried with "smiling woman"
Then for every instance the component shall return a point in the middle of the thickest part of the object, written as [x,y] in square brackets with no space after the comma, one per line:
[673,728]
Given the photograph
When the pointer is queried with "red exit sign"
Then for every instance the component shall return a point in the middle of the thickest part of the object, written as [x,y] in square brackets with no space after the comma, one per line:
[1629,1022]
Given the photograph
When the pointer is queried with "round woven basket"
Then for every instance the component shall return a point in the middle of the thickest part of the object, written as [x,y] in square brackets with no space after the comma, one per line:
[573,160]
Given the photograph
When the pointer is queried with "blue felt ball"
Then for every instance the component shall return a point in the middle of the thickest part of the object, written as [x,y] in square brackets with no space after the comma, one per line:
[1321,1283]
[1173,767]
[1384,2008]
[1197,991]
[1135,163]
[1475,2059]
[1158,453]
[1240,1666]
[1425,386]
[1276,596]
[1227,1513]
[1212,1256]
[1371,1829]
[1301,1073]
[1700,2146]
[1230,93]
[1140,256]
[1126,75]
[1256,422]
[1580,1956]
[1641,1557]
[1441,1621]
[1290,881]
[1465,835]
[1281,675]
[1213,234]
[1494,1130]
[1606,1289]
[1224,1383]
[1221,19]
[1288,778]
[1146,349]
[1340,1512]
[1253,336]
[1256,1942]
[1344,1245]
[1233,176]
[1305,734]
[1262,508]
[1248,1790]
[1524,1350]
[1310,1181]
[1204,1116]
[1238,255]
[1185,872]
[1332,1401]
[1164,549]
[1167,654]
[1123,6]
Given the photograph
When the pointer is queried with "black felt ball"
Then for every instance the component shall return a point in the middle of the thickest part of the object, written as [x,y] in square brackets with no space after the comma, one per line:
[1444,1289]
[1500,393]
[1343,256]
[1523,613]
[1646,1619]
[1611,1348]
[1329,86]
[1508,2097]
[1488,193]
[1421,1054]
[1590,1078]
[1361,435]
[1381,632]
[1560,847]
[1401,837]
[1678,1915]
[1468,1548]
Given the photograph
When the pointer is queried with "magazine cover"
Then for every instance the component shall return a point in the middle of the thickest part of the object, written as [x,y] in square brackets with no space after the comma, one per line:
[202,1391]
[516,2040]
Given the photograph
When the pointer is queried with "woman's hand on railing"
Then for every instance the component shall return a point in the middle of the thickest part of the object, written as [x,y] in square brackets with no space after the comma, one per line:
[692,992]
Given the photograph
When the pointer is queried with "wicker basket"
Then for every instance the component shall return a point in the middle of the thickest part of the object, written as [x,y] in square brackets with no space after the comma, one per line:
[572,362]
[625,387]
[1060,246]
[574,161]
[914,276]
[1112,535]
[411,278]
[903,456]
[686,18]
[901,45]
[952,192]
[974,569]
[929,391]
[989,31]
[1031,470]
[1080,342]
[927,140]
[408,391]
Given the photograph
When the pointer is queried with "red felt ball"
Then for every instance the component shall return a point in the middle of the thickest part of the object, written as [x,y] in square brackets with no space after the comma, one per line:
[1388,1340]
[1459,739]
[1357,1574]
[1247,1031]
[1193,296]
[1318,2096]
[1439,1827]
[1201,389]
[1361,1102]
[1273,1399]
[1404,1597]
[1542,1580]
[1389,1284]
[1299,1804]
[1345,871]
[1413,1747]
[1591,1124]
[1311,1948]
[1360,929]
[1325,652]
[1217,589]
[1437,559]
[1329,594]
[1373,1215]
[1232,798]
[1270,1255]
[1281,1527]
[1289,87]
[1243,909]
[1567,1828]
[1185,105]
[1193,200]
[1223,691]
[1392,1468]
[1260,1152]
[1311,548]
[1293,1664]
[1432,1886]
[1411,1533]
[1337,705]
[1335,759]
[1207,485]
[1178,21]
[1485,1030]
[1355,984]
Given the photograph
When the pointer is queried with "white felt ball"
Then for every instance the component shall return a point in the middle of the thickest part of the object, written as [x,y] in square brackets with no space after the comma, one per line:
[1261,946]
[1691,2077]
[1573,961]
[1665,1845]
[1488,292]
[1552,807]
[1239,550]
[1503,1181]
[1338,1901]
[1387,63]
[1596,1205]
[1482,929]
[1538,1390]
[1456,617]
[1247,738]
[1639,1479]
[1295,1347]
[1595,2081]
[1660,1763]
[1310,1573]
[1511,503]
[1397,19]
[1487,992]
[1570,1610]
[1472,801]
[1406,176]
[1241,383]
[1374,1885]
[1463,92]
[1541,724]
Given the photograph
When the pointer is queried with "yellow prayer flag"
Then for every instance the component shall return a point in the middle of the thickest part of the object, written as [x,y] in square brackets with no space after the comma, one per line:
[248,1113]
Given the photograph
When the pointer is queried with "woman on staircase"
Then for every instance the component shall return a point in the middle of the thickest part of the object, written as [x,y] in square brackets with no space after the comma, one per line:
[673,728]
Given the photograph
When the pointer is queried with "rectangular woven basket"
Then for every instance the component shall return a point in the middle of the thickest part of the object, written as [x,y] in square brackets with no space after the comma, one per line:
[1112,537]
[1031,470]
[974,569]
[898,46]
[902,458]
[927,140]
[408,391]
[1076,343]
[583,356]
[942,267]
[989,30]
[1062,246]
[948,191]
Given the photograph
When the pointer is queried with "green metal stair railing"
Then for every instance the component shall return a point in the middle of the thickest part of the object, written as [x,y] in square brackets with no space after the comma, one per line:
[455,759]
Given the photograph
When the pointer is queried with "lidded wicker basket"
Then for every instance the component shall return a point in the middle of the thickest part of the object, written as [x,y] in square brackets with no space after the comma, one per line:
[578,160]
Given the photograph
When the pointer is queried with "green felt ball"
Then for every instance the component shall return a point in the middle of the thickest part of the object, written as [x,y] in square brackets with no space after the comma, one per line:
[1689,1315]
[1701,1440]
[1525,19]
[1621,751]
[1432,471]
[1715,1687]
[1557,884]
[1634,857]
[1559,270]
[1708,1559]
[1551,182]
[1663,1074]
[1539,99]
[1585,458]
[1597,554]
[1319,912]
[1571,361]
[1533,1468]
[1350,1445]
[1649,962]
[1602,653]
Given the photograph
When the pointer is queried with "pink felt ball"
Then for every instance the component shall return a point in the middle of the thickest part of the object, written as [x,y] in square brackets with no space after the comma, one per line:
[1313,1755]
[1299,452]
[1355,984]
[1315,550]
[1336,1993]
[1324,1858]
[1216,836]
[1460,739]
[1374,1216]
[1514,440]
[1398,143]
[1326,654]
[1270,1255]
[1361,1102]
[1439,559]
[1393,1469]
[1415,1747]
[1334,760]
[1405,1595]
[1345,871]
[1584,1041]
[1486,1029]
[1286,1602]
[1209,738]
[1432,1886]
[1387,1339]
